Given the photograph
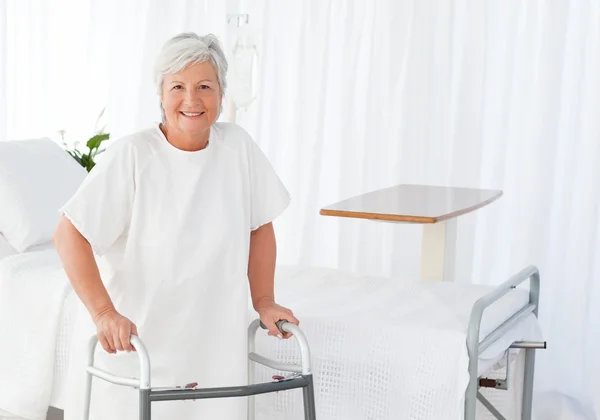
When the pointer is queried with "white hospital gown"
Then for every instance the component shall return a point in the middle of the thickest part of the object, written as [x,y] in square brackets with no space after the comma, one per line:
[171,231]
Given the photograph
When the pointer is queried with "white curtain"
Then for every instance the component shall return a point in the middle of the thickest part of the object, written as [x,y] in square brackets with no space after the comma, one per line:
[3,69]
[63,61]
[43,73]
[356,96]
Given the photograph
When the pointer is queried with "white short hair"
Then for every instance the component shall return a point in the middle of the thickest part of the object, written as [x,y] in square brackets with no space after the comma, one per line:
[189,48]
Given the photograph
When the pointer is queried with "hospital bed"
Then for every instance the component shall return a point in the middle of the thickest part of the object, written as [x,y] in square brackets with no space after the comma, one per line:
[352,325]
[380,346]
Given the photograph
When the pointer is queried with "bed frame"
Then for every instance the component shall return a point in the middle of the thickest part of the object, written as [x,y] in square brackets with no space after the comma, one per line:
[475,347]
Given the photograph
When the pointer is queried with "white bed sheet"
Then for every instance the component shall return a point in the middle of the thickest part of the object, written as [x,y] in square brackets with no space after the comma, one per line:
[324,292]
[384,348]
[6,250]
[299,287]
[33,288]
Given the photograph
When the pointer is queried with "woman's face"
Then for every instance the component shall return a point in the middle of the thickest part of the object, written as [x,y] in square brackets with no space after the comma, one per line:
[192,98]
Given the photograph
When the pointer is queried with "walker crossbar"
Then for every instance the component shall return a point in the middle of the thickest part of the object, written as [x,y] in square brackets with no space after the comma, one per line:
[239,391]
[147,395]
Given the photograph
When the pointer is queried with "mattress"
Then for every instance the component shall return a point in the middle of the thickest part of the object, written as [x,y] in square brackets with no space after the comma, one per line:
[385,348]
[325,292]
[321,292]
[63,341]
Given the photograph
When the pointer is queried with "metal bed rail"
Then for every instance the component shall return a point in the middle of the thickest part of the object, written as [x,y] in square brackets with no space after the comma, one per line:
[475,347]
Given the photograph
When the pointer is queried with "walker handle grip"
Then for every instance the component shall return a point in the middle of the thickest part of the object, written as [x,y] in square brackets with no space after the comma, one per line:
[278,323]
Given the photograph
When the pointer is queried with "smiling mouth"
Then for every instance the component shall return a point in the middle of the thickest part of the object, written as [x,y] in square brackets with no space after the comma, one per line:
[191,114]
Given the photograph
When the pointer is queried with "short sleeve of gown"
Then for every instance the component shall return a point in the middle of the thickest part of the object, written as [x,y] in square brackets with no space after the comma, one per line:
[101,208]
[268,196]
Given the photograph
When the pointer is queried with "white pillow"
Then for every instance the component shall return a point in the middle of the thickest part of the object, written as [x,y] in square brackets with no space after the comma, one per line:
[5,249]
[36,178]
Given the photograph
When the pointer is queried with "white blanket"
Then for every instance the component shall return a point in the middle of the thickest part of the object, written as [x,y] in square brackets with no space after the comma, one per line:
[382,348]
[33,287]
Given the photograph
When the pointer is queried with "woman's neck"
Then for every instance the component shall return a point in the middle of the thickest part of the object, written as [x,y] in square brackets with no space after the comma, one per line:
[185,141]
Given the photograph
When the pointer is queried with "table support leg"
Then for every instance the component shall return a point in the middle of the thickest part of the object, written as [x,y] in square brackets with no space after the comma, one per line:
[438,250]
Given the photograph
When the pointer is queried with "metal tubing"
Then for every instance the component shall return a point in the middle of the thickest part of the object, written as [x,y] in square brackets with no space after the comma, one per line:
[109,377]
[505,327]
[88,380]
[539,345]
[534,298]
[534,290]
[143,383]
[300,338]
[274,364]
[144,362]
[308,394]
[225,392]
[305,368]
[528,384]
[529,273]
[145,409]
[302,343]
[144,358]
[147,395]
[490,407]
[251,367]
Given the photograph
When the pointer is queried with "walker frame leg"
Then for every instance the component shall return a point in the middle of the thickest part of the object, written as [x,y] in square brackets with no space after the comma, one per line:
[145,409]
[308,393]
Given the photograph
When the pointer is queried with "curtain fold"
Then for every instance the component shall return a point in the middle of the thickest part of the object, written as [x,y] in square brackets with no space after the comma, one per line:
[64,61]
[3,71]
[357,96]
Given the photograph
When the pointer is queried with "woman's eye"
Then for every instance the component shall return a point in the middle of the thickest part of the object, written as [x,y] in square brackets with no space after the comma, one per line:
[204,87]
[176,87]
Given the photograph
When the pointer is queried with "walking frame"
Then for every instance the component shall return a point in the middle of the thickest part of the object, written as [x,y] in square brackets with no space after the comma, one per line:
[302,378]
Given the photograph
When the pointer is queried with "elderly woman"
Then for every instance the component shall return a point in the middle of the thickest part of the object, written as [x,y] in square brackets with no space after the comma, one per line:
[163,240]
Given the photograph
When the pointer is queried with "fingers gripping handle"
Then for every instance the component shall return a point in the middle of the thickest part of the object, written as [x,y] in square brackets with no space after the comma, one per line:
[279,325]
[144,380]
[285,327]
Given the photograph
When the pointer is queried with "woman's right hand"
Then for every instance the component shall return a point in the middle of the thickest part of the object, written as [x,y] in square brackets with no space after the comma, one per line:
[114,331]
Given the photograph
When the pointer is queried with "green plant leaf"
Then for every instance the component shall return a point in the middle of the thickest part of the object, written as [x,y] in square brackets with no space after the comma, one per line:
[95,141]
[77,158]
[85,160]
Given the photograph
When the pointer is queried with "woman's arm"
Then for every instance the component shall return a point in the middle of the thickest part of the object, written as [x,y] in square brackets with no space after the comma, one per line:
[80,266]
[261,266]
[261,274]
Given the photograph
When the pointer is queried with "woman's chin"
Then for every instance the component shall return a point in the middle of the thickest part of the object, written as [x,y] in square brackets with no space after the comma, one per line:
[194,127]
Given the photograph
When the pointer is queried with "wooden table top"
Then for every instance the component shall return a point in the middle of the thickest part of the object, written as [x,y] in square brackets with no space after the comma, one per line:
[413,203]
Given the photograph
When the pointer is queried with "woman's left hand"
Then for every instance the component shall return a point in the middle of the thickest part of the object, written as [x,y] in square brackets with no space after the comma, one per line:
[270,313]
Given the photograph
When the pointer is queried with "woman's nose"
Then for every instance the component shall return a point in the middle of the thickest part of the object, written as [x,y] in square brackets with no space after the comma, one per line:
[193,95]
